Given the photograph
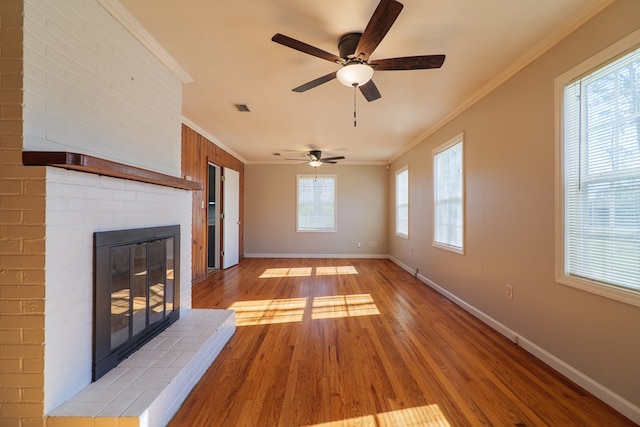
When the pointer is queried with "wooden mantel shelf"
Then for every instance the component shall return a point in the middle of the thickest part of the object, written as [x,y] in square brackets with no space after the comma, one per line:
[96,165]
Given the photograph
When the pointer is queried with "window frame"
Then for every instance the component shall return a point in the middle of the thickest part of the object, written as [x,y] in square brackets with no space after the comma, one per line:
[587,67]
[403,169]
[458,139]
[334,228]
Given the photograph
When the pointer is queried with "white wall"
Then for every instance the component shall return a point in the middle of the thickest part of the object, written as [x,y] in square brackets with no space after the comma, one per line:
[270,212]
[90,87]
[510,228]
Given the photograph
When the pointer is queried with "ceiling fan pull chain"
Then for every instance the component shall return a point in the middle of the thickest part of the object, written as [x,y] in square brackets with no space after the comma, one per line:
[355,85]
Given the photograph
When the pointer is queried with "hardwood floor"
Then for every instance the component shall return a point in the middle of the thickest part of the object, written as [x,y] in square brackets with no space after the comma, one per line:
[341,342]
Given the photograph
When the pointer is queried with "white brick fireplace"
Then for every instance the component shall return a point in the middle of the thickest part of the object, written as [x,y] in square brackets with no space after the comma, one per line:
[78,204]
[91,87]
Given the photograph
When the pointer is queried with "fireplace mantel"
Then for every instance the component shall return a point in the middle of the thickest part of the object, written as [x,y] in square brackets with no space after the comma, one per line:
[96,165]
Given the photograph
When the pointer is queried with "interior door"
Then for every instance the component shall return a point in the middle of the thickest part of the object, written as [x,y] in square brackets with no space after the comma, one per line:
[231,219]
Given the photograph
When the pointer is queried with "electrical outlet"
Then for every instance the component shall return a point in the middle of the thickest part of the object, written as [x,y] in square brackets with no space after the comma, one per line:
[358,244]
[509,292]
[373,244]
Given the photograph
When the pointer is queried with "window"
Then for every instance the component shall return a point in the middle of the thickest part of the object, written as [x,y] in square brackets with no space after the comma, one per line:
[316,203]
[402,202]
[448,229]
[599,170]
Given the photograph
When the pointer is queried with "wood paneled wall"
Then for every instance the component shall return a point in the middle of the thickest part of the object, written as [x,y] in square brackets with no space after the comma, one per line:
[197,153]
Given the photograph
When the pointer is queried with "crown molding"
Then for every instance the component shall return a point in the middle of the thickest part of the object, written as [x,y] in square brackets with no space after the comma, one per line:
[212,138]
[553,39]
[131,24]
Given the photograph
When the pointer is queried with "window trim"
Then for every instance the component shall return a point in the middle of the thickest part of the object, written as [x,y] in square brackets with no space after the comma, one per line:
[599,60]
[335,203]
[441,148]
[404,168]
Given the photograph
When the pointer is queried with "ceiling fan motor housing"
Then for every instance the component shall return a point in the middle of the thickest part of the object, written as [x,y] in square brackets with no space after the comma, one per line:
[347,44]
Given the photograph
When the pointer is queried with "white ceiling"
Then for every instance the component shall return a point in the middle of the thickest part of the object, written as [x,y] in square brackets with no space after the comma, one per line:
[226,47]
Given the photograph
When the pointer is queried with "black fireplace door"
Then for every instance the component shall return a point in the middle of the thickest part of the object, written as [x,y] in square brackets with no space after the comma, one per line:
[136,288]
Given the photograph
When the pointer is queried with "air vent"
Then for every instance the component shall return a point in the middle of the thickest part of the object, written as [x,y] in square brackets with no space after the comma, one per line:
[242,108]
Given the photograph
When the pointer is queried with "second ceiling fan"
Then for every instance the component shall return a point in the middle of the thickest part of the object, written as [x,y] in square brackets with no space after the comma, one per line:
[355,50]
[315,159]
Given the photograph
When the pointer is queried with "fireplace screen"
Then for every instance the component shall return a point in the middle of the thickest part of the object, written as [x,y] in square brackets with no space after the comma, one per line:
[135,291]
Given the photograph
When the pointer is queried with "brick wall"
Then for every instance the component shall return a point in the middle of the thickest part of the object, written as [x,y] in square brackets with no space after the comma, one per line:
[91,87]
[79,204]
[80,83]
[22,243]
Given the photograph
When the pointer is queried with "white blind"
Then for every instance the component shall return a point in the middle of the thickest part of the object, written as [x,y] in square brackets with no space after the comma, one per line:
[402,202]
[448,195]
[316,202]
[602,174]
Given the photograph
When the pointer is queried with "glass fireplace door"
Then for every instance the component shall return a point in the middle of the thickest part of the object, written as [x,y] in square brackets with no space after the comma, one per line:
[136,290]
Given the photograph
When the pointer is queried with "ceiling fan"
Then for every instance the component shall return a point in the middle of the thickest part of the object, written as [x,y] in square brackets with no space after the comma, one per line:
[356,48]
[315,159]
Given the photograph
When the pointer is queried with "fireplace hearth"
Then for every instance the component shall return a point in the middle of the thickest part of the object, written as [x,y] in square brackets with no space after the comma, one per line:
[136,291]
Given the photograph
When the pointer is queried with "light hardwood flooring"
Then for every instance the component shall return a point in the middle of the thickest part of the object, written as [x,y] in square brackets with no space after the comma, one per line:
[360,342]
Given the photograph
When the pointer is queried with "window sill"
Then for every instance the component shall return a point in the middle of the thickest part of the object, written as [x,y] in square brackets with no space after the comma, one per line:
[626,296]
[454,249]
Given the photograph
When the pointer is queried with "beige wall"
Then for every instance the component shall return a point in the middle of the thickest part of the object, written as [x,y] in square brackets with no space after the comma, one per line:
[510,235]
[270,212]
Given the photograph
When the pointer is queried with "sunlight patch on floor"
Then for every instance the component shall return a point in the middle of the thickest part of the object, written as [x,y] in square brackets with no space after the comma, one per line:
[270,273]
[336,271]
[343,306]
[428,415]
[269,311]
[265,312]
[422,416]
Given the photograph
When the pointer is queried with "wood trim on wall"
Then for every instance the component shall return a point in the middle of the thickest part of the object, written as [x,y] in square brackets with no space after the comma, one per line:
[197,153]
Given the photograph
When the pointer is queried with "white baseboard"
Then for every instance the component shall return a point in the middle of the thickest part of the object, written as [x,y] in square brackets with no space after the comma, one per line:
[256,255]
[617,402]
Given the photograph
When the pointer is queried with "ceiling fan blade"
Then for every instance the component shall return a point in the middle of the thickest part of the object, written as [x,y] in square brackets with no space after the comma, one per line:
[328,161]
[381,21]
[409,63]
[313,83]
[333,158]
[306,48]
[370,91]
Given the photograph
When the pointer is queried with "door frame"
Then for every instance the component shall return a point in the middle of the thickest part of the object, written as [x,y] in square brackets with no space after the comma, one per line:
[217,224]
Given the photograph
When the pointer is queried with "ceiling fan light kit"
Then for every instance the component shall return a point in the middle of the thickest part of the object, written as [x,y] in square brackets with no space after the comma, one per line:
[354,74]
